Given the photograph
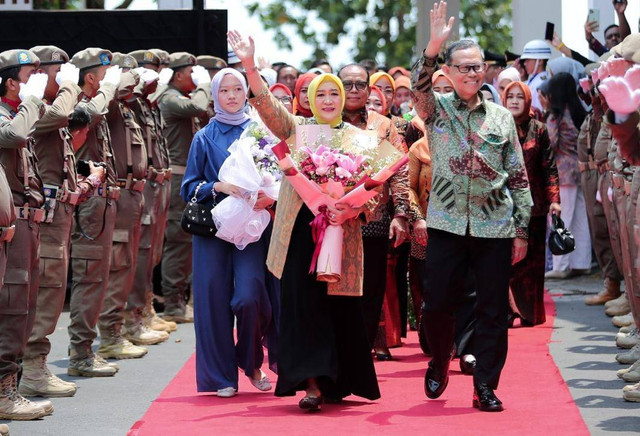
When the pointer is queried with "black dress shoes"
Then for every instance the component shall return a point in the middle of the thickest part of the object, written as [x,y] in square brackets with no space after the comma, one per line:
[310,403]
[435,382]
[485,400]
[467,364]
[383,356]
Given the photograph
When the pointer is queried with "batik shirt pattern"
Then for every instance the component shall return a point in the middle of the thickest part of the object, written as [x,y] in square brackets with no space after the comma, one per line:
[480,186]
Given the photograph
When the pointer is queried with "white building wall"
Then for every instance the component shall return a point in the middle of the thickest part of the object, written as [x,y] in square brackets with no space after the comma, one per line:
[530,18]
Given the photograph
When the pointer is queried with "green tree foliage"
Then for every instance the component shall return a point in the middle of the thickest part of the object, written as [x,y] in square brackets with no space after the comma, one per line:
[488,22]
[387,32]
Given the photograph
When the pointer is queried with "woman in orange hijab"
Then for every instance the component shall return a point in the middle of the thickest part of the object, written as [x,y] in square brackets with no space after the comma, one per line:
[527,276]
[301,99]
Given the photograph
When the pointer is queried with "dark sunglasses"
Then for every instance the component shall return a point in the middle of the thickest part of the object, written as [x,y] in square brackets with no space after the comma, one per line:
[359,84]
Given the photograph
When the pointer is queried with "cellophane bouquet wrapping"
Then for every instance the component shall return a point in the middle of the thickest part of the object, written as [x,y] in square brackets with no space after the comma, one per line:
[253,168]
[326,167]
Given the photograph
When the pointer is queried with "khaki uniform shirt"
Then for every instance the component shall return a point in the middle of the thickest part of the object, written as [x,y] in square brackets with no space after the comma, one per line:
[56,159]
[180,113]
[16,151]
[127,142]
[97,147]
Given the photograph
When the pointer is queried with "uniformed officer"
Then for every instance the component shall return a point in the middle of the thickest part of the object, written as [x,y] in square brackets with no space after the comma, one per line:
[534,56]
[131,171]
[21,107]
[156,200]
[495,64]
[186,98]
[598,227]
[92,233]
[163,81]
[56,165]
[211,63]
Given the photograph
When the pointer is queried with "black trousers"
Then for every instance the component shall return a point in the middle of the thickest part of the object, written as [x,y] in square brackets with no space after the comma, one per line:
[374,282]
[451,259]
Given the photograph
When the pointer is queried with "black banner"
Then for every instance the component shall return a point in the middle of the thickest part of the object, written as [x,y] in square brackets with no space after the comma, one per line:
[194,31]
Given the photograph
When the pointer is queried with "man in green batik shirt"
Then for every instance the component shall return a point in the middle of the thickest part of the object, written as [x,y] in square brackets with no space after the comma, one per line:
[478,212]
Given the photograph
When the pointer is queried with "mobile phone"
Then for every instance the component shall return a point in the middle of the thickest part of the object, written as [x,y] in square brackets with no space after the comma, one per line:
[548,33]
[594,15]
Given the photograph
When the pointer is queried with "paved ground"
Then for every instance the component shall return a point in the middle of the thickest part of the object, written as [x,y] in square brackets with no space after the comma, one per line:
[582,346]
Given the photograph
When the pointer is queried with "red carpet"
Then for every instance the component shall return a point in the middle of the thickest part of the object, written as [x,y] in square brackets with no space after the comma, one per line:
[536,399]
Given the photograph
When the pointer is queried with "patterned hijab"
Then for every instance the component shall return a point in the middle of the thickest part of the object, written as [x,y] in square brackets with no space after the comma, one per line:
[313,89]
[235,118]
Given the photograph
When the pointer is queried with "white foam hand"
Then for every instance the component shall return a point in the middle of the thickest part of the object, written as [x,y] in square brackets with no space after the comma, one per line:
[165,76]
[35,86]
[112,76]
[147,75]
[585,84]
[616,67]
[632,76]
[620,97]
[200,75]
[603,71]
[68,73]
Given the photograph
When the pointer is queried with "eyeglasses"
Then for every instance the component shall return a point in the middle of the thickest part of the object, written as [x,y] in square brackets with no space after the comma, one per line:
[359,84]
[286,99]
[464,69]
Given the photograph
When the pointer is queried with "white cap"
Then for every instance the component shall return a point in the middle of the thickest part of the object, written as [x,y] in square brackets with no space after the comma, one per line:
[536,49]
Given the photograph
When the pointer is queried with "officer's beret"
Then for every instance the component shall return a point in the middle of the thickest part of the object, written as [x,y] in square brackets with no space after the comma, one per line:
[211,62]
[91,57]
[630,48]
[146,57]
[124,60]
[163,55]
[50,54]
[18,58]
[181,59]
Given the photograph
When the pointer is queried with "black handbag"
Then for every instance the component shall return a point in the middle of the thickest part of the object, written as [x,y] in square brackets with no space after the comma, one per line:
[196,217]
[561,240]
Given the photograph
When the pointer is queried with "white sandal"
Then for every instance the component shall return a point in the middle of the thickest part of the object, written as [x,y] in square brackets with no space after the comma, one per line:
[227,392]
[264,384]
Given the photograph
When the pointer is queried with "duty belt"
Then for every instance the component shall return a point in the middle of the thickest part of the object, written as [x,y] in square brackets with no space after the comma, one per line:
[112,192]
[178,169]
[6,233]
[618,181]
[584,166]
[29,213]
[133,185]
[159,176]
[61,194]
[603,167]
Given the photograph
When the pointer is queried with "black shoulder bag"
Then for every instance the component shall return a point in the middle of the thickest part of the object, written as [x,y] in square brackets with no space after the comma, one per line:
[196,218]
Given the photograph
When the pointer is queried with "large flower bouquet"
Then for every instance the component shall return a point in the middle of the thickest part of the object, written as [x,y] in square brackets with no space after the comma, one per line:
[327,167]
[253,167]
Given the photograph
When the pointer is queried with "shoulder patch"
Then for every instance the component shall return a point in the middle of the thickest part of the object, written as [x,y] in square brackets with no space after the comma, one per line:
[23,58]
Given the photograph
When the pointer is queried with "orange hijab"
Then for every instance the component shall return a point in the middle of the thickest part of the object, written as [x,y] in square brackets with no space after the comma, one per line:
[383,99]
[523,119]
[305,78]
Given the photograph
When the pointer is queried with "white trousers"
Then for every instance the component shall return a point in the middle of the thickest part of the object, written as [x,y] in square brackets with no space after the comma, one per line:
[574,215]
